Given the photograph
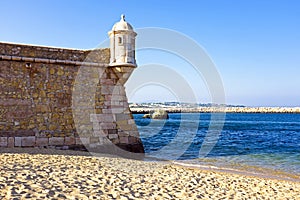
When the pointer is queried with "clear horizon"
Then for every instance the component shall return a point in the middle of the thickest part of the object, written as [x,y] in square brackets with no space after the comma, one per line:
[255,45]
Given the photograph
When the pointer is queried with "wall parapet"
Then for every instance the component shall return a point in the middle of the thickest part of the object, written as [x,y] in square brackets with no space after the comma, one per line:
[59,55]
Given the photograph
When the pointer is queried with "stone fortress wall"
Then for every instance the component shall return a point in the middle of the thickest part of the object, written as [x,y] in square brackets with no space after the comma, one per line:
[37,89]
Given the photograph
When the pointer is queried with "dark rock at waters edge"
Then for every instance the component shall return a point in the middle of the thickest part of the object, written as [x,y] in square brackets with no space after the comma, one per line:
[147,116]
[158,114]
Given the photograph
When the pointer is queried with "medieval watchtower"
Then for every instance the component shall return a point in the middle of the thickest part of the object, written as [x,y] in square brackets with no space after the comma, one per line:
[121,130]
[122,44]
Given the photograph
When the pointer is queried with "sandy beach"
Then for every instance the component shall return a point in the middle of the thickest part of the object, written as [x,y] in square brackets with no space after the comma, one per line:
[45,174]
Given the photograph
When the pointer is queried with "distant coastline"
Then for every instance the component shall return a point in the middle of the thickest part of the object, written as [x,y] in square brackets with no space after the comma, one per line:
[190,108]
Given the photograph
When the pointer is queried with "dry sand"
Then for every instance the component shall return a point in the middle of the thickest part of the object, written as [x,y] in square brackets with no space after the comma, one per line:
[50,176]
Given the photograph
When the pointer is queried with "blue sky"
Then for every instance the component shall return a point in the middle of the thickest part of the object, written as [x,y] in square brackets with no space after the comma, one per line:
[254,44]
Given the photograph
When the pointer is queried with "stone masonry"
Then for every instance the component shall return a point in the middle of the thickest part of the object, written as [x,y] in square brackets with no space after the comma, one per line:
[64,98]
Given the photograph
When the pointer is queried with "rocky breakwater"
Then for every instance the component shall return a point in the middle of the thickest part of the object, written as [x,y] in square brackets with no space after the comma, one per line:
[158,114]
[219,110]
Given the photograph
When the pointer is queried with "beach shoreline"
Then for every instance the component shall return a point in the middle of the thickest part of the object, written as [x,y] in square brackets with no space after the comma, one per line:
[249,171]
[68,175]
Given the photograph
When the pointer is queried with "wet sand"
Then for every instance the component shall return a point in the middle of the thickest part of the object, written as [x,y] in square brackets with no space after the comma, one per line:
[51,174]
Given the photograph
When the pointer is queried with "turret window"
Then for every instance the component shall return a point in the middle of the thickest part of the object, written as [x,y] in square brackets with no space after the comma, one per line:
[120,41]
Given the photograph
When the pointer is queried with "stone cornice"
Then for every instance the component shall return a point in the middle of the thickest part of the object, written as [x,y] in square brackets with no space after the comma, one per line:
[51,61]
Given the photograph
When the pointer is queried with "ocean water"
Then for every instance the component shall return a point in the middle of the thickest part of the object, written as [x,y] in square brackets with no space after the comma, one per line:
[259,142]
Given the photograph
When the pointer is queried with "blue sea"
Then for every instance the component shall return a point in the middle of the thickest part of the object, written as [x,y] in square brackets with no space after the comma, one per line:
[250,142]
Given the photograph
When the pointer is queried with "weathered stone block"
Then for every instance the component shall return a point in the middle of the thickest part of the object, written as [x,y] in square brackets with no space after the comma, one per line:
[123,134]
[127,127]
[118,89]
[124,140]
[94,140]
[60,72]
[108,125]
[42,141]
[94,145]
[70,141]
[115,141]
[132,140]
[131,121]
[18,141]
[98,133]
[28,141]
[107,89]
[52,71]
[82,140]
[121,117]
[96,126]
[112,136]
[104,140]
[56,141]
[118,110]
[106,111]
[107,103]
[10,142]
[122,123]
[118,98]
[105,81]
[3,141]
[102,117]
[133,133]
[42,108]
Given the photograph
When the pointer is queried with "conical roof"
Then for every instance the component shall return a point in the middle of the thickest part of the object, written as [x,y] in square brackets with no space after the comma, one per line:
[122,25]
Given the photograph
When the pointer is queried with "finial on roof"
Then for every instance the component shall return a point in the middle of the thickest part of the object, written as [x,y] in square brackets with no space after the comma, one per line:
[123,17]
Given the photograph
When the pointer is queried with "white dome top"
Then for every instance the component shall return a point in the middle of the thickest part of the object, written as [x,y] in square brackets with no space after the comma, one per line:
[122,25]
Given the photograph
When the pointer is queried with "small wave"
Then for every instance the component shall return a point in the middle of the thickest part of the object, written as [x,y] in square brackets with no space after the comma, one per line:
[245,170]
